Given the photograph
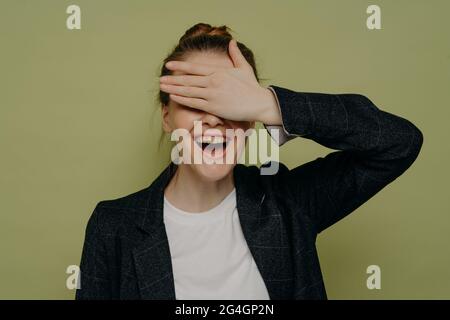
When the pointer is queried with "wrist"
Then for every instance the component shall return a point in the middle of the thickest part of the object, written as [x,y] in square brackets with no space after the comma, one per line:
[270,113]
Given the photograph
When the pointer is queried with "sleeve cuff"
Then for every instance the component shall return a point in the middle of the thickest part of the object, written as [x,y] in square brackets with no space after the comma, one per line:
[278,132]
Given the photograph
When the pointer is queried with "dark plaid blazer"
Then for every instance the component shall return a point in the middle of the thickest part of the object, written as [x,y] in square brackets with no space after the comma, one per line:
[126,251]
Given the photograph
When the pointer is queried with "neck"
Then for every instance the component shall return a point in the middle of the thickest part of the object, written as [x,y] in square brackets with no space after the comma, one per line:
[189,192]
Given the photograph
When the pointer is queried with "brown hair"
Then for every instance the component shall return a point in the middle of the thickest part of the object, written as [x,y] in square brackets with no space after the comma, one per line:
[202,37]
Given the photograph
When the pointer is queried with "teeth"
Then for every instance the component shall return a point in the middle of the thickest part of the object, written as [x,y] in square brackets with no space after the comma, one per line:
[207,139]
[210,139]
[218,140]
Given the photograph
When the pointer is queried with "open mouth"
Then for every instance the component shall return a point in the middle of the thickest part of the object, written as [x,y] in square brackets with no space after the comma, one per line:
[212,146]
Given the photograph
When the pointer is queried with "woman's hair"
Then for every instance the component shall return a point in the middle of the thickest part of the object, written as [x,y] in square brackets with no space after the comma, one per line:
[202,37]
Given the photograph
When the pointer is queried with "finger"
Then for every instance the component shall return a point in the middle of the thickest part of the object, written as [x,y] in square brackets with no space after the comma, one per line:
[196,103]
[193,92]
[185,80]
[236,55]
[191,67]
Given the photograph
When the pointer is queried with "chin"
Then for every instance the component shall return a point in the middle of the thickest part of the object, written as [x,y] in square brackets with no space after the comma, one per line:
[212,172]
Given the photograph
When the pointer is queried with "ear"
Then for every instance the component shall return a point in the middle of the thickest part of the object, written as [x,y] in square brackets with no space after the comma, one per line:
[165,119]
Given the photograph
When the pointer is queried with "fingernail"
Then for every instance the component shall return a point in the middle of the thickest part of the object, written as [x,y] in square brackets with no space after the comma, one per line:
[169,64]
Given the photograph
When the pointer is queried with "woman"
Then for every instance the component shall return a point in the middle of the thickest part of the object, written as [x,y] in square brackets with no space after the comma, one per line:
[225,231]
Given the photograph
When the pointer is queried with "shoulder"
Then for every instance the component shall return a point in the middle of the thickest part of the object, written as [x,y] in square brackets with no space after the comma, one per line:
[133,201]
[267,170]
[277,172]
[269,178]
[278,179]
[111,214]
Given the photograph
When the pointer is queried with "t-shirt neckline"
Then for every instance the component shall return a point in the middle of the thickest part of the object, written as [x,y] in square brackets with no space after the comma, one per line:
[227,204]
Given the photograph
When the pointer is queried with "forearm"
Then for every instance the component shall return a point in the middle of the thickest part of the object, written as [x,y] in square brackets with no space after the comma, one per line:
[346,122]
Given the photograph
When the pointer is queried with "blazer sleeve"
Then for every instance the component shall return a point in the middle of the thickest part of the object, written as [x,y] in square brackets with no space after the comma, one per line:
[94,276]
[374,147]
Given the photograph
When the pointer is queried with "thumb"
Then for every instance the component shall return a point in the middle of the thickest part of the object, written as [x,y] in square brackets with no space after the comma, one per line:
[238,59]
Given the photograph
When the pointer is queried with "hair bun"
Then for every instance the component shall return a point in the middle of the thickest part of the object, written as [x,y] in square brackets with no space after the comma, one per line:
[206,29]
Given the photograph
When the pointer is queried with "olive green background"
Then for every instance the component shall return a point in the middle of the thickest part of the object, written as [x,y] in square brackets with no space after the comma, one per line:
[79,124]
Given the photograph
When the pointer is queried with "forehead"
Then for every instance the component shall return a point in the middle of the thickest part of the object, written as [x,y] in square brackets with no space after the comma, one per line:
[215,59]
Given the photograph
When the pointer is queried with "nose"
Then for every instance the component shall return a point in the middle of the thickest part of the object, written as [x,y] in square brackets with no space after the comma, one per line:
[211,120]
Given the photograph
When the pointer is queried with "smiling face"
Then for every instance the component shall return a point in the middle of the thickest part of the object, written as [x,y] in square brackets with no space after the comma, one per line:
[213,129]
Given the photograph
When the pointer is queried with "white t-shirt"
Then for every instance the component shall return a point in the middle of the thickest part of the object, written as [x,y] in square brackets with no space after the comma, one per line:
[210,256]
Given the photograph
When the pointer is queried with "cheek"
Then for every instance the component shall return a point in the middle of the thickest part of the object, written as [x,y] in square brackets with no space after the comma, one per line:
[243,125]
[183,119]
[241,128]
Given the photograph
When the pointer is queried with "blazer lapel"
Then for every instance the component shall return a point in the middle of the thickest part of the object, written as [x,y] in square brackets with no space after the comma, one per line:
[265,233]
[152,257]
